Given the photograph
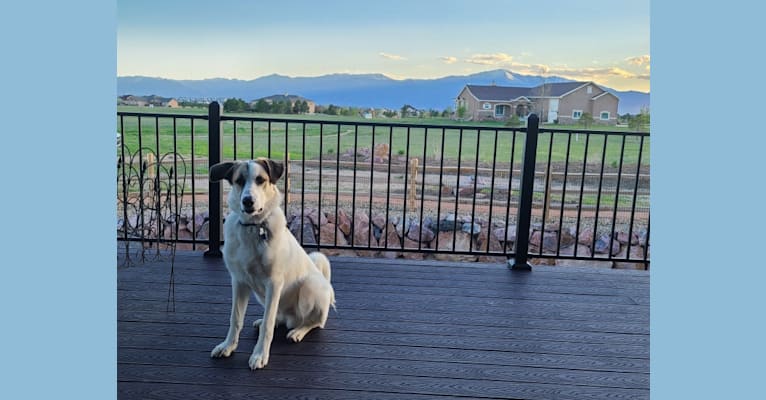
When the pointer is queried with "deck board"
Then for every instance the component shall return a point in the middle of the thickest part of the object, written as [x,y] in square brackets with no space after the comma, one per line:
[403,330]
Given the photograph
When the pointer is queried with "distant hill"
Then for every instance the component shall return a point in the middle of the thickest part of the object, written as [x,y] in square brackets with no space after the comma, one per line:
[362,90]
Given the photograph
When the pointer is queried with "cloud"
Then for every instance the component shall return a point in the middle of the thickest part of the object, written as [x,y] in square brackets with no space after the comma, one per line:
[490,59]
[392,56]
[638,60]
[448,59]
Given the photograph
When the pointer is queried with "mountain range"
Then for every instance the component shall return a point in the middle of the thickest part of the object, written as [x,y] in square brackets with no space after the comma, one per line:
[359,90]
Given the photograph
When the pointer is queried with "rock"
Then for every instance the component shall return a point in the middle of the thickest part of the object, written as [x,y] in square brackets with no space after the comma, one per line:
[567,237]
[622,237]
[602,245]
[343,222]
[316,217]
[327,234]
[550,242]
[585,237]
[200,219]
[377,232]
[379,220]
[582,251]
[643,237]
[462,243]
[447,226]
[489,241]
[389,233]
[471,228]
[419,233]
[361,235]
[507,235]
[636,253]
[306,235]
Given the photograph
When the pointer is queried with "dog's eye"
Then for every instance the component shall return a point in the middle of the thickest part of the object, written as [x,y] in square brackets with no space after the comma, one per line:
[240,180]
[259,180]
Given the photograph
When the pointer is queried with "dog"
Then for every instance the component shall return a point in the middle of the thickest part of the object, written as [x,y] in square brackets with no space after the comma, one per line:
[262,256]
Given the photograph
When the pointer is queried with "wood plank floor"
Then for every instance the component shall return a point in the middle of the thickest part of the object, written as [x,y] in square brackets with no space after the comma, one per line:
[402,330]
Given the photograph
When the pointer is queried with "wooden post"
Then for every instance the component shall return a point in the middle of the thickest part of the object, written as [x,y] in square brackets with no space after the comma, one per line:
[287,180]
[150,165]
[413,189]
[547,194]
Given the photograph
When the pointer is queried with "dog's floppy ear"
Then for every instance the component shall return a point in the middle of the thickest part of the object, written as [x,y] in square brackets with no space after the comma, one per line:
[223,170]
[273,168]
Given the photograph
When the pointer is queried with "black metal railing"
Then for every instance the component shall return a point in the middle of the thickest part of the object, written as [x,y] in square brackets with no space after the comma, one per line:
[393,189]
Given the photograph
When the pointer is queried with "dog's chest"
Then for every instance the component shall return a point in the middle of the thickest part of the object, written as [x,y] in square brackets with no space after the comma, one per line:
[248,257]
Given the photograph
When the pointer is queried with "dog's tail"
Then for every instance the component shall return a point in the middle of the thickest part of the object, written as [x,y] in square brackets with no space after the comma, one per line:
[322,263]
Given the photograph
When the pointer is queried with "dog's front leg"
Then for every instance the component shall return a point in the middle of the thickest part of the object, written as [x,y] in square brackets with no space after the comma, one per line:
[240,296]
[260,356]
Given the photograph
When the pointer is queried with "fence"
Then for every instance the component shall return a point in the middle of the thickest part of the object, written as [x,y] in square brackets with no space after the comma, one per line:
[395,189]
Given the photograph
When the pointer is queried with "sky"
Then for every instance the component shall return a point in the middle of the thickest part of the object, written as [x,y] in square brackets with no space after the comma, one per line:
[604,41]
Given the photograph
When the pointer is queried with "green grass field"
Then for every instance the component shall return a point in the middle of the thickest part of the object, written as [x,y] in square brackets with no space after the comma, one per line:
[251,139]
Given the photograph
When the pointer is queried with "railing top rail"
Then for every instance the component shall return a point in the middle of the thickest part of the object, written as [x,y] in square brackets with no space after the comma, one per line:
[593,132]
[161,115]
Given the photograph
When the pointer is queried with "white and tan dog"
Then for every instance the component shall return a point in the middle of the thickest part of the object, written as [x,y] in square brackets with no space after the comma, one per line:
[262,256]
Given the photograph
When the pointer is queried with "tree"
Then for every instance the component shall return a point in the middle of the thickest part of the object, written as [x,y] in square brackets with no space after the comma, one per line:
[262,106]
[513,121]
[234,105]
[640,121]
[586,120]
[461,111]
[447,112]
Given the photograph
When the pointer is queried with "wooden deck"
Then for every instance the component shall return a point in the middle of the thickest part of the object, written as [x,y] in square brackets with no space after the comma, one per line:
[403,330]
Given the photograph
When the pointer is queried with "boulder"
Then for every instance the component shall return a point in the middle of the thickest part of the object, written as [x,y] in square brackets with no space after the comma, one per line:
[602,245]
[419,233]
[585,237]
[316,217]
[411,244]
[636,253]
[622,237]
[305,235]
[471,228]
[343,222]
[389,233]
[462,243]
[507,234]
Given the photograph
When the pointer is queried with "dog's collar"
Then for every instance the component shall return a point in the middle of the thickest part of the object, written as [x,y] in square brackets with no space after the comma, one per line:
[263,232]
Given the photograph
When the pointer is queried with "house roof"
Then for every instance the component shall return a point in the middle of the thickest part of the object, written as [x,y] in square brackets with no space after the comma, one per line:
[507,93]
[284,97]
[497,93]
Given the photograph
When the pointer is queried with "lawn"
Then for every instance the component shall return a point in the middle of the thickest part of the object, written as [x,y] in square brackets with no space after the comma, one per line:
[334,134]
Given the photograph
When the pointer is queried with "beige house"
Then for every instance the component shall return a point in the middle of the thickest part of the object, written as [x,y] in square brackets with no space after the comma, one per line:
[144,101]
[563,102]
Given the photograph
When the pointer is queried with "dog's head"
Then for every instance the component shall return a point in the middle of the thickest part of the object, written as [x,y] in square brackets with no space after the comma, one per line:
[253,185]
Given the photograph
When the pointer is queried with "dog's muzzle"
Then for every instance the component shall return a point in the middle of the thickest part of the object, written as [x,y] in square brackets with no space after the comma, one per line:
[247,205]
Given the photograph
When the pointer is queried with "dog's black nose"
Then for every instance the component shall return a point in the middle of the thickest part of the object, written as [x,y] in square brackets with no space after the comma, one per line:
[247,201]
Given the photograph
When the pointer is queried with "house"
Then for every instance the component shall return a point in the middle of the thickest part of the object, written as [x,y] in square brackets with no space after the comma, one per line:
[144,101]
[563,102]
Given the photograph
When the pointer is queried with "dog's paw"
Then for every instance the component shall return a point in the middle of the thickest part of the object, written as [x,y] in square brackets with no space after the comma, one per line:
[297,334]
[258,360]
[223,350]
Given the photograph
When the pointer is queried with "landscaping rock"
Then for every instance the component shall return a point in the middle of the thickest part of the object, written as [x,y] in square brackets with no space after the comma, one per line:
[419,233]
[622,237]
[389,233]
[602,245]
[507,234]
[585,237]
[471,228]
[462,243]
[636,253]
[306,235]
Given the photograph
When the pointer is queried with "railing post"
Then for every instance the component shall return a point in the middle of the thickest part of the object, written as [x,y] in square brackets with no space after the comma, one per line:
[215,195]
[525,203]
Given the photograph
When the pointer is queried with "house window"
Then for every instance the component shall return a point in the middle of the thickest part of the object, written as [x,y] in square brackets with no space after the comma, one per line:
[604,115]
[500,111]
[590,89]
[576,114]
[486,106]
